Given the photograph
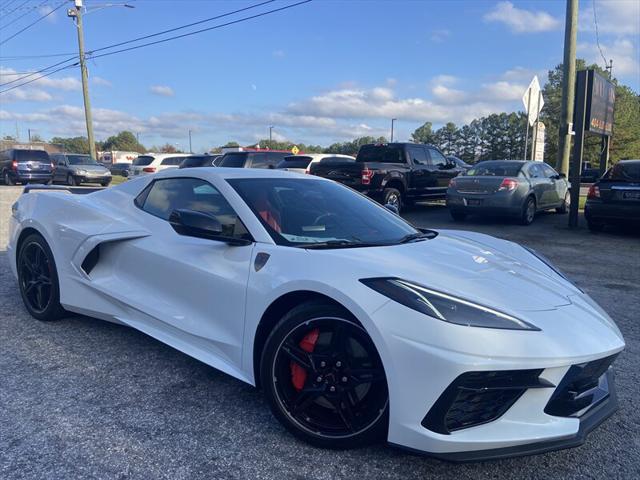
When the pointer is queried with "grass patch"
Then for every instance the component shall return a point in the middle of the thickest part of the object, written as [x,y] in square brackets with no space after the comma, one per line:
[117,179]
[583,200]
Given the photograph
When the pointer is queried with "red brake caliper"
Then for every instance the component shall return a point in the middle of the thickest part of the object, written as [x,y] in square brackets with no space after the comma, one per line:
[298,373]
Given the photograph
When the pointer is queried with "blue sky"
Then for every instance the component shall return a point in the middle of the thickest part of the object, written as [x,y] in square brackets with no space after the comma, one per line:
[321,72]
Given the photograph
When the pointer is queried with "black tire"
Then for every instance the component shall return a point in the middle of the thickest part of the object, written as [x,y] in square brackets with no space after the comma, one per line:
[105,184]
[7,179]
[595,226]
[392,196]
[38,279]
[528,211]
[321,409]
[72,181]
[458,216]
[566,203]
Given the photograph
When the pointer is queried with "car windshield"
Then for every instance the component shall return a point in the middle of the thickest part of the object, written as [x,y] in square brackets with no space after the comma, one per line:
[297,161]
[81,160]
[625,172]
[232,160]
[318,213]
[381,153]
[495,169]
[38,156]
[143,161]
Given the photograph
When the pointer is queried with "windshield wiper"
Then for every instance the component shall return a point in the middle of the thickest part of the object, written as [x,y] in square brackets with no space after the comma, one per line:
[414,237]
[339,244]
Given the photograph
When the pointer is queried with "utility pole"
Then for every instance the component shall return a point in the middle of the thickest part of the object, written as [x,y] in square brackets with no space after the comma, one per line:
[270,129]
[29,133]
[77,14]
[190,149]
[568,86]
[392,122]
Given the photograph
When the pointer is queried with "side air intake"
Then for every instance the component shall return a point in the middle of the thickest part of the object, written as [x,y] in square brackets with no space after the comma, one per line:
[91,260]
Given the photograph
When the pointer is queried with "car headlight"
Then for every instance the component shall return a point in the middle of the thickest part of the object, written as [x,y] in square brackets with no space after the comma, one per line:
[81,172]
[443,306]
[548,263]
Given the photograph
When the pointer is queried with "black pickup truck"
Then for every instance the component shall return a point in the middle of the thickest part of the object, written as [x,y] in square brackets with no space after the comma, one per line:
[394,173]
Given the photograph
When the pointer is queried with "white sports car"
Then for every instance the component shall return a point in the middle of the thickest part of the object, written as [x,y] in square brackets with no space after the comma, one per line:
[357,326]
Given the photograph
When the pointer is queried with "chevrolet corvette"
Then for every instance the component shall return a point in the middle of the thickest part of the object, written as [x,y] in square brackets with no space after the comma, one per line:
[357,326]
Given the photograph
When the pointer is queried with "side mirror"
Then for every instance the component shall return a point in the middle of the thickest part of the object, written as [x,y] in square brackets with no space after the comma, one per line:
[562,175]
[201,225]
[392,208]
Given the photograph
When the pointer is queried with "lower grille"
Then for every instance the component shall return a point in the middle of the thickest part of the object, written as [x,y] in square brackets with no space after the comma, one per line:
[475,398]
[582,387]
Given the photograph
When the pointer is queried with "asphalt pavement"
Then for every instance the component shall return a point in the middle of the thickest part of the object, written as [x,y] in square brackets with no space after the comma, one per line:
[81,398]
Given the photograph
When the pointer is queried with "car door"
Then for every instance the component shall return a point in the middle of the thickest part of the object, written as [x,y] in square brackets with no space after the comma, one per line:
[61,169]
[441,169]
[558,185]
[192,290]
[540,185]
[420,178]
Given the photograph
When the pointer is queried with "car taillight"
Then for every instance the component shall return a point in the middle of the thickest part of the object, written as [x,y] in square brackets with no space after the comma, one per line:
[508,184]
[366,176]
[149,169]
[594,192]
[14,165]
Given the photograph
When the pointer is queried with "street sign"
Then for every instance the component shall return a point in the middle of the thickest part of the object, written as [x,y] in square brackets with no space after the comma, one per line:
[533,101]
[538,144]
[295,150]
[601,96]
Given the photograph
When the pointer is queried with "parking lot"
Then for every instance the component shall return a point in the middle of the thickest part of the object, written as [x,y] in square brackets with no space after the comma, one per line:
[82,398]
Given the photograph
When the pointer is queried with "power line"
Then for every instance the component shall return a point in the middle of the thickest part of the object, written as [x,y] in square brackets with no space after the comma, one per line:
[39,71]
[17,8]
[595,21]
[30,57]
[29,10]
[38,78]
[233,22]
[33,23]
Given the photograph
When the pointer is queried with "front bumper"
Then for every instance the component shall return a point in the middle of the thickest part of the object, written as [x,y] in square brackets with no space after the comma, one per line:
[424,356]
[94,179]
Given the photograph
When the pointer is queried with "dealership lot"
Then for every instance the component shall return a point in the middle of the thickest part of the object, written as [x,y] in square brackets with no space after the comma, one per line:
[83,398]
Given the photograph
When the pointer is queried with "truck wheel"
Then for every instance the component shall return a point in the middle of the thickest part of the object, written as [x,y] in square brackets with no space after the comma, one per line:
[393,197]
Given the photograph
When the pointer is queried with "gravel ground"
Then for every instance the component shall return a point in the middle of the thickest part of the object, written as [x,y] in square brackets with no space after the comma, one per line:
[82,398]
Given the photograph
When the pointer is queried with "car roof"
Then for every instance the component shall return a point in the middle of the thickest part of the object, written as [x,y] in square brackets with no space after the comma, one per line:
[229,173]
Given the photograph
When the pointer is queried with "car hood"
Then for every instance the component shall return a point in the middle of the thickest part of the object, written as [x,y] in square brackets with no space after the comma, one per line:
[477,267]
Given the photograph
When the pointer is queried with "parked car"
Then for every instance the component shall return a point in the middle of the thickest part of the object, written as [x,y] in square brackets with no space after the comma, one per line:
[199,161]
[394,174]
[111,157]
[156,162]
[76,169]
[121,169]
[302,163]
[357,327]
[252,159]
[459,162]
[19,165]
[615,198]
[589,175]
[508,187]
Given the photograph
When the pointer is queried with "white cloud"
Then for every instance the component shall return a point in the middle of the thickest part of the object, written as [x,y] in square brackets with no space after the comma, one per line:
[46,10]
[162,90]
[520,20]
[616,17]
[25,95]
[625,55]
[440,35]
[99,81]
[62,83]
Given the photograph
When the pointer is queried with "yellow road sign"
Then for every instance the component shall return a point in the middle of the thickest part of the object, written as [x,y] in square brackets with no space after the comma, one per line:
[295,150]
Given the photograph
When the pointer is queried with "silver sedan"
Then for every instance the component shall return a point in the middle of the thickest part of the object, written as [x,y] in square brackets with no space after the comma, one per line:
[508,187]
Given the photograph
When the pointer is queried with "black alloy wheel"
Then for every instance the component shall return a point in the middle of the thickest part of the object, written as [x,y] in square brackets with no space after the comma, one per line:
[38,279]
[392,197]
[324,378]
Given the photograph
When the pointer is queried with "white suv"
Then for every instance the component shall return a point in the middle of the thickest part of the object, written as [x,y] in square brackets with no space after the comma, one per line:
[156,162]
[302,163]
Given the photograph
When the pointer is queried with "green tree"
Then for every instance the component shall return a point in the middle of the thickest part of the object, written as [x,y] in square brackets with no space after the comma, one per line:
[125,141]
[231,145]
[424,134]
[72,145]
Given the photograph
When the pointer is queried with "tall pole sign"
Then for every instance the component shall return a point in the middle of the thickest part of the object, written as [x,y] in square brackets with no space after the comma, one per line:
[595,100]
[533,103]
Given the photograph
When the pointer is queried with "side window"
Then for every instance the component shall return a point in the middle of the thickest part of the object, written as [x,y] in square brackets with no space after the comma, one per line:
[535,171]
[172,161]
[418,155]
[436,158]
[259,160]
[548,171]
[164,196]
